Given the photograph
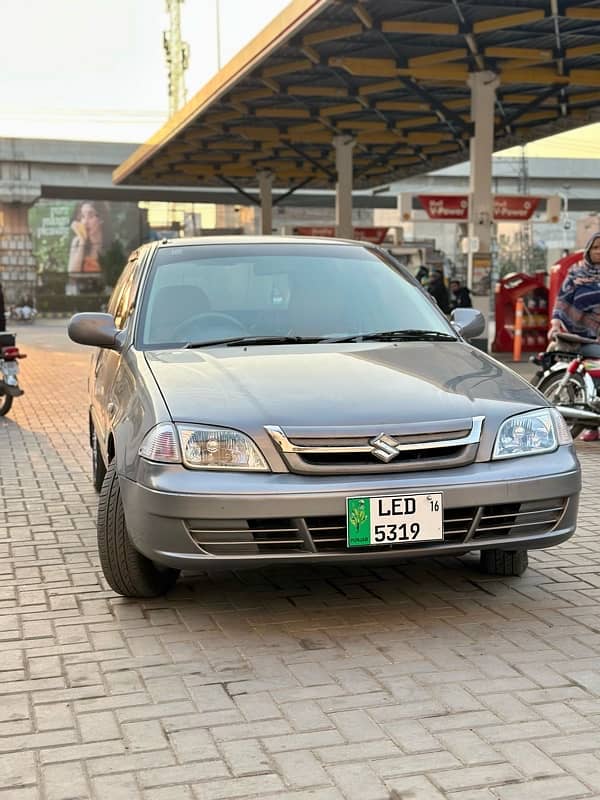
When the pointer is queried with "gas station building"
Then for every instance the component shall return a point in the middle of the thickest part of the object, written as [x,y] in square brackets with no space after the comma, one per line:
[353,94]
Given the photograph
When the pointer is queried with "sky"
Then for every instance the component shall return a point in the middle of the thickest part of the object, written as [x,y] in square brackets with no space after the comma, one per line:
[96,71]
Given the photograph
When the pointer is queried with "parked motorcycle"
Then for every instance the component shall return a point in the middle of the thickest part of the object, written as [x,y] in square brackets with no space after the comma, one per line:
[23,313]
[9,371]
[571,381]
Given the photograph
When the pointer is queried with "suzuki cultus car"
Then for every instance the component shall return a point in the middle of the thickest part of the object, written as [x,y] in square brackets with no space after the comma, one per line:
[269,400]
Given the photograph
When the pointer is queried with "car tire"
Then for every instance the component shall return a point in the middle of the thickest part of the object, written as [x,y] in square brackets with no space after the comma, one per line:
[504,562]
[127,571]
[98,465]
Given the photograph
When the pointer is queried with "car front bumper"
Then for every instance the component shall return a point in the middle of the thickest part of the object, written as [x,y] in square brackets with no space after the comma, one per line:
[168,510]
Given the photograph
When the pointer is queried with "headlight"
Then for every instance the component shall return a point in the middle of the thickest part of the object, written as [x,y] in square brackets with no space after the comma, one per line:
[219,448]
[531,434]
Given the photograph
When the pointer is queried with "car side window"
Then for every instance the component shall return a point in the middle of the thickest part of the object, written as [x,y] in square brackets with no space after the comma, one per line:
[130,276]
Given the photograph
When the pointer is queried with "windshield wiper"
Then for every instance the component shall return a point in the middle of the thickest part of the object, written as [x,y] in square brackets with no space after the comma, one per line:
[406,335]
[255,340]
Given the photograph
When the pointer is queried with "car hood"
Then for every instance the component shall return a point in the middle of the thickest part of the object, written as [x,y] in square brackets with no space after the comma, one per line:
[337,385]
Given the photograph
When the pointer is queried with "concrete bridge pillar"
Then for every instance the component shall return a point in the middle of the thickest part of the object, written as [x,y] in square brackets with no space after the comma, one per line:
[17,263]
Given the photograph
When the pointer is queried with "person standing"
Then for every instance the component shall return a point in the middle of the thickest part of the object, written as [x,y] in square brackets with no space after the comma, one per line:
[460,296]
[422,275]
[577,308]
[437,288]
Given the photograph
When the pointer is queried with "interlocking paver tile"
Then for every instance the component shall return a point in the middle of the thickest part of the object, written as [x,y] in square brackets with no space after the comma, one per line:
[120,787]
[65,782]
[529,759]
[425,681]
[565,788]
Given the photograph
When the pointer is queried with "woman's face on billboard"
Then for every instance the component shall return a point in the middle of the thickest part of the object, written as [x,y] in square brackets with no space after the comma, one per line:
[89,216]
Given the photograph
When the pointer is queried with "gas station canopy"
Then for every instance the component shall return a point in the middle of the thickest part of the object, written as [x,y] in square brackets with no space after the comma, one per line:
[392,76]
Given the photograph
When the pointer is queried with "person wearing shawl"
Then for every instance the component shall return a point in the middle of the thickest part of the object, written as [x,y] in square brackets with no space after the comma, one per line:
[577,308]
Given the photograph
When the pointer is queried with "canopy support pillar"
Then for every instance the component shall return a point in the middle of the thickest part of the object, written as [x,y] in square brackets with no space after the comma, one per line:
[343,189]
[265,185]
[481,202]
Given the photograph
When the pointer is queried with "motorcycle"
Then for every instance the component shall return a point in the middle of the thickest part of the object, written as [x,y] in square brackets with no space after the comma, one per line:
[24,313]
[9,370]
[571,381]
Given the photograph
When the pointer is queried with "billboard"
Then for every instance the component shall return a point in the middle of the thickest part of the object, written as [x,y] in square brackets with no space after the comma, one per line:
[375,235]
[455,207]
[71,237]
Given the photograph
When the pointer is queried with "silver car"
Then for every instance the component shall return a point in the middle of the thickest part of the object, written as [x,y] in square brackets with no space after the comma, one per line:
[268,400]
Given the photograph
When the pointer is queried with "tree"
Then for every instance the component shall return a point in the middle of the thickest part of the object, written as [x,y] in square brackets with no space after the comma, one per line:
[112,262]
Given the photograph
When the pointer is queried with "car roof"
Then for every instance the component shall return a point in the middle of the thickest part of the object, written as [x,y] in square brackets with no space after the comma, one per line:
[243,240]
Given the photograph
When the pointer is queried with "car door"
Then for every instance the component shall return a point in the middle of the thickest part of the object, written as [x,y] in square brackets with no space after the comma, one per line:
[107,362]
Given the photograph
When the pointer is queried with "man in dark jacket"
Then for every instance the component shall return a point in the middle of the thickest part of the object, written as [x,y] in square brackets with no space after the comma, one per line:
[422,275]
[437,288]
[460,296]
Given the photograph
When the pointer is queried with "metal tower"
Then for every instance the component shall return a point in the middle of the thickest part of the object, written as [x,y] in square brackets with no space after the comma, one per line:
[177,55]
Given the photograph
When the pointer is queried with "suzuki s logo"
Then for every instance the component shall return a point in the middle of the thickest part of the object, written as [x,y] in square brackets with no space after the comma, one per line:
[385,447]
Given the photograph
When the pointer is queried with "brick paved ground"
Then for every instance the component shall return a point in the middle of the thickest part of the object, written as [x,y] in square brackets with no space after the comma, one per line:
[424,682]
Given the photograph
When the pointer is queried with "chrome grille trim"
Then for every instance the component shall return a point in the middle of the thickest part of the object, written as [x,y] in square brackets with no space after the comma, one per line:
[346,451]
[513,519]
[525,513]
[286,446]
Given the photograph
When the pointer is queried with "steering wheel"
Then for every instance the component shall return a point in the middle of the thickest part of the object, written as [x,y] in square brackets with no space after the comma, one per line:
[221,321]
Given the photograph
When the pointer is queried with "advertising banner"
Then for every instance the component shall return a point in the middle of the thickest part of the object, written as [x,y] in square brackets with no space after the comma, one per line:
[451,207]
[455,207]
[514,207]
[315,230]
[71,236]
[375,235]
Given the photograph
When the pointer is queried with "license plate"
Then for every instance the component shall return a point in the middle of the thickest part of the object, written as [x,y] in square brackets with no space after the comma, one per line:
[399,519]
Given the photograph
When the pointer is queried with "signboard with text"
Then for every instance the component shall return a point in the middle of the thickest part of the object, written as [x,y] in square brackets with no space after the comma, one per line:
[455,207]
[451,207]
[375,235]
[314,230]
[71,237]
[515,207]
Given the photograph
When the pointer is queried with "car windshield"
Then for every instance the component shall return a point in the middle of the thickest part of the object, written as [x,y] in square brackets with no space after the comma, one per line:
[284,293]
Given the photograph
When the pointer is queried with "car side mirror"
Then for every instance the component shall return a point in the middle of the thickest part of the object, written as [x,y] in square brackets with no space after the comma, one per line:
[96,330]
[469,322]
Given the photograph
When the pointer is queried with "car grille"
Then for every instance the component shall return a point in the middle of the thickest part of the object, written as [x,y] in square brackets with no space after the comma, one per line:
[286,536]
[406,447]
[526,519]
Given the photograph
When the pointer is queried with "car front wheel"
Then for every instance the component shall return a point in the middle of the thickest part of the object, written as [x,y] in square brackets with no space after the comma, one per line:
[504,562]
[127,571]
